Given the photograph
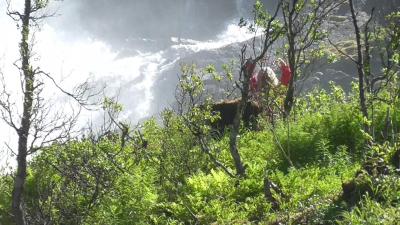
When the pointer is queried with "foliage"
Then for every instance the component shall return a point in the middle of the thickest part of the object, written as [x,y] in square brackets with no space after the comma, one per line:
[5,199]
[372,212]
[171,181]
[319,166]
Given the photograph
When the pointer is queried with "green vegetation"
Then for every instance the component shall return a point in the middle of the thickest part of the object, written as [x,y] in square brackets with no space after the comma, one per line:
[335,178]
[324,157]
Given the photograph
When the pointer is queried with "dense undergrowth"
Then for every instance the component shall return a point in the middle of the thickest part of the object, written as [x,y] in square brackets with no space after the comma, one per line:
[333,176]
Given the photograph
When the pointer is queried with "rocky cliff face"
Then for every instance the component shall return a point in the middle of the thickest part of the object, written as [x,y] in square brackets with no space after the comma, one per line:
[164,87]
[343,72]
[166,69]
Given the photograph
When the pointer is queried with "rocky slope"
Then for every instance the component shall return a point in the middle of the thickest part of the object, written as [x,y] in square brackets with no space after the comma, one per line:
[342,72]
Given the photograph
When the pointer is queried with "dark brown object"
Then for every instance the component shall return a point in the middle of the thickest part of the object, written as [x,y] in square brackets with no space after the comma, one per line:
[228,110]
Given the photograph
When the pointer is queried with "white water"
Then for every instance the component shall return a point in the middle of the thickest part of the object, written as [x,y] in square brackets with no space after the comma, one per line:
[74,60]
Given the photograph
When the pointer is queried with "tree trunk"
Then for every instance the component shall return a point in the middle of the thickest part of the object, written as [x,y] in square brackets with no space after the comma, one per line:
[240,169]
[23,131]
[360,62]
[289,99]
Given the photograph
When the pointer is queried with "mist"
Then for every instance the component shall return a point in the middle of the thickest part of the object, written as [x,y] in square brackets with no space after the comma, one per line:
[131,25]
[125,45]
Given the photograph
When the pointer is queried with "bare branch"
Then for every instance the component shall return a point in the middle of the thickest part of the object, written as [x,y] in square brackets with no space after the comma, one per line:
[269,40]
[342,52]
[81,95]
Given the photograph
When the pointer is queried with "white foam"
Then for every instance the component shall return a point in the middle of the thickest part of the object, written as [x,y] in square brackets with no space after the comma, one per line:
[232,34]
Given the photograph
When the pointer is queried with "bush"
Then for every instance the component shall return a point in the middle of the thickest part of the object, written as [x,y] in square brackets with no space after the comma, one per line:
[5,199]
[371,212]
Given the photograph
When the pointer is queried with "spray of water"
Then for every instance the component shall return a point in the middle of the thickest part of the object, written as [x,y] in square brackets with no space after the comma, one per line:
[73,60]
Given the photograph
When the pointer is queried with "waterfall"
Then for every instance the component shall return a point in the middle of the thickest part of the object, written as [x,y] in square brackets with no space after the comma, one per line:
[130,75]
[244,8]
